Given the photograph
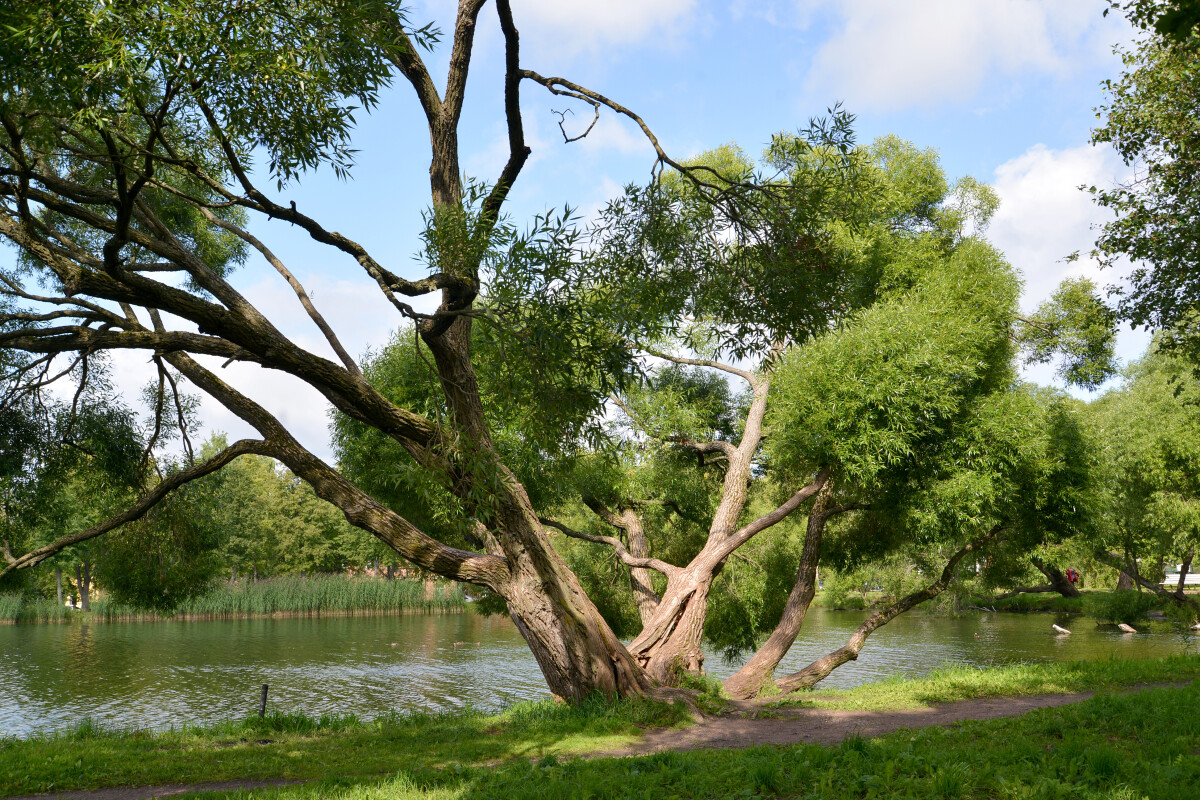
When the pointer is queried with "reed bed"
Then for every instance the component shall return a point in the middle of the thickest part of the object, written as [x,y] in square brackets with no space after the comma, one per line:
[16,608]
[292,595]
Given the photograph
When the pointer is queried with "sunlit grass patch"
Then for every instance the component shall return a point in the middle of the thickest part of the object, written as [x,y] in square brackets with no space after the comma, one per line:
[957,682]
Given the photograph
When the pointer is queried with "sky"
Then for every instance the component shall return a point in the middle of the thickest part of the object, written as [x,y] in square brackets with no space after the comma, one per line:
[1003,90]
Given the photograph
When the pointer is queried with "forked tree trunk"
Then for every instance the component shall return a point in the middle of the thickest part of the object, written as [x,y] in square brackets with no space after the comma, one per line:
[748,681]
[820,669]
[672,640]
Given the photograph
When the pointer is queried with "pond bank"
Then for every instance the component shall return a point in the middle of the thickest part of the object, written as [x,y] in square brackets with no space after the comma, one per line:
[1141,741]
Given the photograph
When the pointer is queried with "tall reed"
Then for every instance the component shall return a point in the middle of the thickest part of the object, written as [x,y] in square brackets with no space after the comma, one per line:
[30,608]
[305,596]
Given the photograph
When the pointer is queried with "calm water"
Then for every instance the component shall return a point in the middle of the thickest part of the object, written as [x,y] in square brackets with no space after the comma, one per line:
[171,673]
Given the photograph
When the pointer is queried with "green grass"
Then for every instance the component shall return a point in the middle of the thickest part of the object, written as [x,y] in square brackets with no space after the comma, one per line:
[310,596]
[1034,603]
[953,683]
[1122,746]
[297,747]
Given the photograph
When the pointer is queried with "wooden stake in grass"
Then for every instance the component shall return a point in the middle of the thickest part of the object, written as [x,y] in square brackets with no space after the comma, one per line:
[262,703]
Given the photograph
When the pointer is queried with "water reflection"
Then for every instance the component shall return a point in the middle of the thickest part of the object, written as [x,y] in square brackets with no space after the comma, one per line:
[172,673]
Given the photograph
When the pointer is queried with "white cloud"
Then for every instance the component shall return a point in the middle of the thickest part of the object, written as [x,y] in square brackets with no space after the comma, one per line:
[1044,217]
[577,26]
[884,55]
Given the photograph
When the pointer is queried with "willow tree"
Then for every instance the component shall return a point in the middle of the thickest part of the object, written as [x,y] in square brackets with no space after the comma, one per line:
[1151,469]
[125,174]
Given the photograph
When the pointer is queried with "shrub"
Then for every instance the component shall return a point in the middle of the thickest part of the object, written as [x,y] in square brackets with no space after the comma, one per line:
[1124,606]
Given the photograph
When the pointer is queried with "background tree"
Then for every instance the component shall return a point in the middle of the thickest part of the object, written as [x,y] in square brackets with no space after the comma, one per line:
[1152,458]
[1151,121]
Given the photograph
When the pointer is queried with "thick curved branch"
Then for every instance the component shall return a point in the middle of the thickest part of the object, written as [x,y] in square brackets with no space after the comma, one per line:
[359,508]
[139,509]
[745,534]
[518,151]
[77,338]
[297,287]
[656,564]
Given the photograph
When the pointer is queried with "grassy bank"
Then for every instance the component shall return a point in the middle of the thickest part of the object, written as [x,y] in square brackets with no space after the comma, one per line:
[317,595]
[1113,746]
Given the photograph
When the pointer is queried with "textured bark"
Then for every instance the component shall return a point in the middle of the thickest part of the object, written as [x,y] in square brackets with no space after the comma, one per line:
[1058,580]
[671,640]
[85,586]
[756,673]
[1184,569]
[58,583]
[639,577]
[820,669]
[627,520]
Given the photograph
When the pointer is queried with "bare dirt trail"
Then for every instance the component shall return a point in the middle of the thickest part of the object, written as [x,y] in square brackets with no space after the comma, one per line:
[752,725]
[749,725]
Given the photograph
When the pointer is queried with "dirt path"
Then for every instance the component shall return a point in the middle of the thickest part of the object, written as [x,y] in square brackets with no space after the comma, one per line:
[749,725]
[146,792]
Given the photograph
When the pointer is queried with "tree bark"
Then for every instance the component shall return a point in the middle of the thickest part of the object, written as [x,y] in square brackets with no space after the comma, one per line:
[671,641]
[820,669]
[58,582]
[639,577]
[1184,569]
[748,681]
[1058,580]
[85,586]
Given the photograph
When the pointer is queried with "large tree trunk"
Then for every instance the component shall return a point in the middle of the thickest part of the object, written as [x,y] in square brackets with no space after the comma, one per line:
[820,669]
[58,582]
[576,649]
[748,681]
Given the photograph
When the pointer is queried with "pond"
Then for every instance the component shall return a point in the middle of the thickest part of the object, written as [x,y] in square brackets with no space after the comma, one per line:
[162,674]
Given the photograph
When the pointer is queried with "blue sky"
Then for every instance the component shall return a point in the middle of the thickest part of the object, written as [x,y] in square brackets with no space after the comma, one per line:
[1004,90]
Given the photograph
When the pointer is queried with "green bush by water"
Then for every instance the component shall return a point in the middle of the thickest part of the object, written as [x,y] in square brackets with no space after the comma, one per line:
[1034,602]
[1125,606]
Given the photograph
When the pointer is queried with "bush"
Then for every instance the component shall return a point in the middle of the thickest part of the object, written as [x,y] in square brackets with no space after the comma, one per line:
[1125,606]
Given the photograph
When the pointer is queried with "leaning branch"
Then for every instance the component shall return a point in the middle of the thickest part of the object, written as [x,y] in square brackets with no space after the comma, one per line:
[1179,597]
[740,537]
[656,564]
[746,375]
[820,669]
[136,511]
